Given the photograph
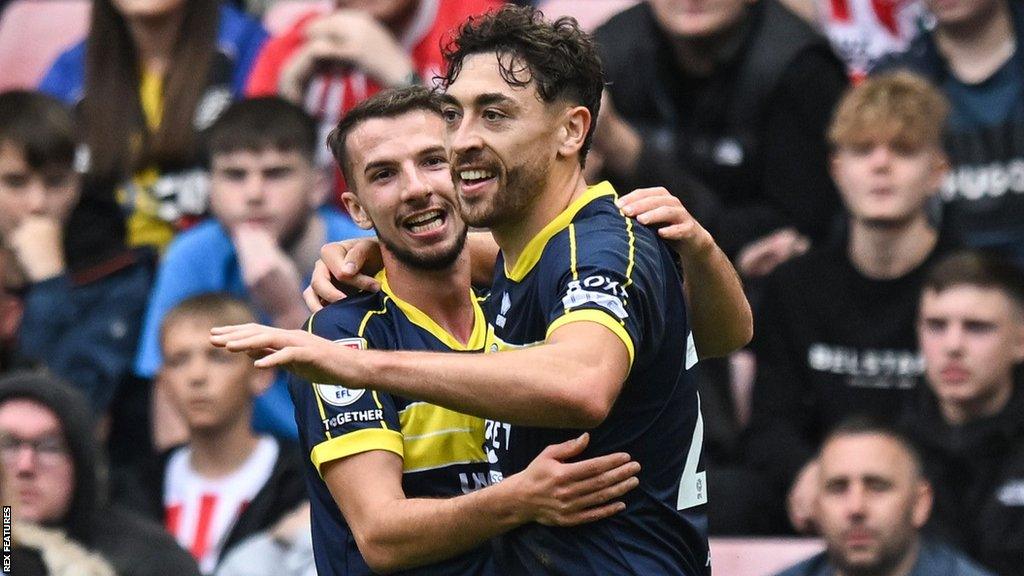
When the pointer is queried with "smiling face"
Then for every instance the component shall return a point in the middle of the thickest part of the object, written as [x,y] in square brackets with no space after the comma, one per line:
[871,502]
[886,181]
[504,141]
[403,188]
[971,338]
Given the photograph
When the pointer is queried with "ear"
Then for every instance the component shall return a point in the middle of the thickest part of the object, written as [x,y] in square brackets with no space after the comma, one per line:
[355,210]
[833,166]
[575,127]
[923,497]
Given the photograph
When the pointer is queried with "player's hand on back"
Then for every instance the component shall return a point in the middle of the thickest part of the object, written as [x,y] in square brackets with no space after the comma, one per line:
[555,492]
[659,209]
[344,267]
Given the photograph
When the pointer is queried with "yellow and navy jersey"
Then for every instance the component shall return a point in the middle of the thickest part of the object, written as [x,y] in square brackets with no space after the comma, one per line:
[592,264]
[442,450]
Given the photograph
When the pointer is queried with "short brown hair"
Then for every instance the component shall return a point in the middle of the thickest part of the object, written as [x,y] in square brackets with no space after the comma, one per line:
[263,123]
[898,105]
[978,269]
[386,104]
[215,307]
[40,127]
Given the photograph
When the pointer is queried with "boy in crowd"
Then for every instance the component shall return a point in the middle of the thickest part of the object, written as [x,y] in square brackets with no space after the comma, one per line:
[81,310]
[228,482]
[968,422]
[836,327]
[872,501]
[266,233]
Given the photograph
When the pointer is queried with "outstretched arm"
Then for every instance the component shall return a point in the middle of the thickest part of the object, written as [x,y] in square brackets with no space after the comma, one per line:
[394,532]
[570,381]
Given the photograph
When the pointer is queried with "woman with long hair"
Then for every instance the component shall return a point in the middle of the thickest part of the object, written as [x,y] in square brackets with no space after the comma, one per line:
[150,76]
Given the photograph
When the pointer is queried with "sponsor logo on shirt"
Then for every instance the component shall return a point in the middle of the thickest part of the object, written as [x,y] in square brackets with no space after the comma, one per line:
[868,368]
[1012,493]
[346,417]
[600,290]
[339,395]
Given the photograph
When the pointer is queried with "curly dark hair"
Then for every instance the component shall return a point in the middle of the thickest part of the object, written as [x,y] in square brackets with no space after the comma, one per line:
[558,57]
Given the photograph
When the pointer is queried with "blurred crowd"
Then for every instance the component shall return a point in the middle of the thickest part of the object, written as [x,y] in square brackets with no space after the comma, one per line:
[861,162]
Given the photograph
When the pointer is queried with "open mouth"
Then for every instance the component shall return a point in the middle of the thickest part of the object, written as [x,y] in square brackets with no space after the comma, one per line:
[474,178]
[425,221]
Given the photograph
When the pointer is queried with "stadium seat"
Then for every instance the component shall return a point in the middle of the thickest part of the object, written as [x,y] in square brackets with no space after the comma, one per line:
[33,33]
[283,13]
[589,13]
[760,556]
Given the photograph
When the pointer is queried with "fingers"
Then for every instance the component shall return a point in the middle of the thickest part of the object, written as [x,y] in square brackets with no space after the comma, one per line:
[567,449]
[591,467]
[248,337]
[592,514]
[608,493]
[323,286]
[280,358]
[642,194]
[601,472]
[312,301]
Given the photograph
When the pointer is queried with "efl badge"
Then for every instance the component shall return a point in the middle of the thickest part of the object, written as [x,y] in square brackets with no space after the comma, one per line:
[339,395]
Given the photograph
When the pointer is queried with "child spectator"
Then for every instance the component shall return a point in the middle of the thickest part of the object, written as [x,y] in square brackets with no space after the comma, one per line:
[183,60]
[227,483]
[81,312]
[265,236]
[835,334]
[968,422]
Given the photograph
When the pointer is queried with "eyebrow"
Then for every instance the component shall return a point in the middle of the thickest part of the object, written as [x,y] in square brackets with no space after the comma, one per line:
[391,162]
[486,99]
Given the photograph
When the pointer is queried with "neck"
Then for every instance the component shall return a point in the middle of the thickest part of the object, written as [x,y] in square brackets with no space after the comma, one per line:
[441,294]
[304,249]
[958,413]
[154,40]
[976,48]
[901,568]
[701,56]
[560,190]
[884,252]
[220,452]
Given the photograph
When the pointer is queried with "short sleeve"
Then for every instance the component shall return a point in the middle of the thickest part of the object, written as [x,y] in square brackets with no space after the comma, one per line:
[337,421]
[602,281]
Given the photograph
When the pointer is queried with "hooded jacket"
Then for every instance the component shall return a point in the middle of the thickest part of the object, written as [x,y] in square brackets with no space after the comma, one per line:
[133,545]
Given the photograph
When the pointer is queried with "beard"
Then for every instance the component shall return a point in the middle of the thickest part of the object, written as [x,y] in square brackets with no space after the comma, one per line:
[890,554]
[523,184]
[427,262]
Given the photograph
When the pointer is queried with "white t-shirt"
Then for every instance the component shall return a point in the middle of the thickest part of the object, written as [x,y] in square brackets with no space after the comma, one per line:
[200,511]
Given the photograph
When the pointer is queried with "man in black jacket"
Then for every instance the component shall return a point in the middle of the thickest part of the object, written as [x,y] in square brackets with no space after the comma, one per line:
[969,422]
[51,464]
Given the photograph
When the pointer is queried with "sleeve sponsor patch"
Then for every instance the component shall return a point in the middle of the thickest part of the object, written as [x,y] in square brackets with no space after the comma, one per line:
[597,290]
[339,395]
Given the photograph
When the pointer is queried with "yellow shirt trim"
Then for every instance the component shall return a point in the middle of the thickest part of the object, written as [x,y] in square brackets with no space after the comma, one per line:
[356,443]
[599,317]
[477,338]
[435,437]
[535,247]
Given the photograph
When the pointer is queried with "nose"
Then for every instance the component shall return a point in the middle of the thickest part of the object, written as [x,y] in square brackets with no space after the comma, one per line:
[953,339]
[254,188]
[35,197]
[465,137]
[196,371]
[24,460]
[881,156]
[417,187]
[856,501]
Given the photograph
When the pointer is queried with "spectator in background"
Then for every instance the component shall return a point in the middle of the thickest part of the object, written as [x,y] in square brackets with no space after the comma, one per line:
[975,56]
[863,32]
[835,332]
[871,504]
[146,60]
[52,465]
[81,318]
[713,102]
[227,483]
[264,239]
[969,421]
[329,62]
